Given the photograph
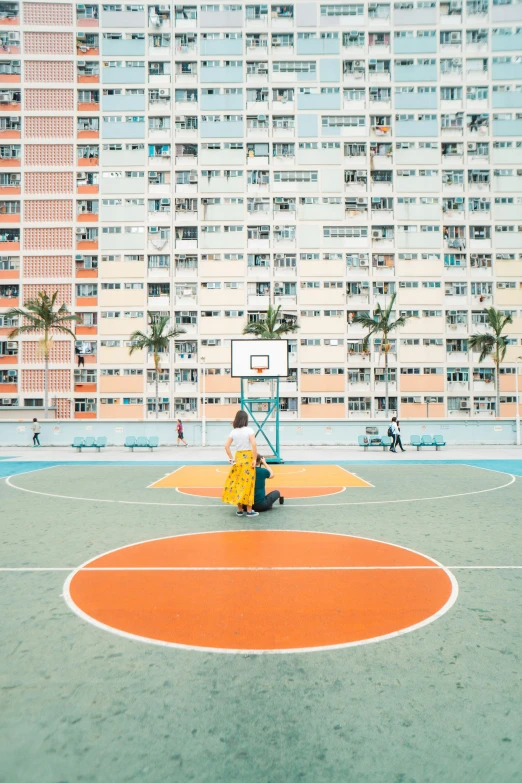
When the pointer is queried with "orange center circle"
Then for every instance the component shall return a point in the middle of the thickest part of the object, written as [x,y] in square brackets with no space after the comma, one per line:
[261,591]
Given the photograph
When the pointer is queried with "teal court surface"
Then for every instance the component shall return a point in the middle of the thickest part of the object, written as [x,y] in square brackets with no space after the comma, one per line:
[368,630]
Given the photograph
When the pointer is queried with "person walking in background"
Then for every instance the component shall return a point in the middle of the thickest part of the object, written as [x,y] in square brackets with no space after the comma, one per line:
[239,484]
[398,439]
[36,428]
[262,501]
[393,432]
[179,430]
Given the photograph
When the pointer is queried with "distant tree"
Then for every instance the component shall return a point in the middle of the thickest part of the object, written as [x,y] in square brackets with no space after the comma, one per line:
[157,341]
[381,323]
[39,316]
[273,327]
[493,344]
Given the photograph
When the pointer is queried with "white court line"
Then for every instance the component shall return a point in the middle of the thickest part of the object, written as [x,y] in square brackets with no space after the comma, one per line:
[340,490]
[76,609]
[171,473]
[287,505]
[351,473]
[272,568]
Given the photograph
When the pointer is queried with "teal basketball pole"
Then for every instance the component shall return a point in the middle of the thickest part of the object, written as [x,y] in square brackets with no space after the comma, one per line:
[261,419]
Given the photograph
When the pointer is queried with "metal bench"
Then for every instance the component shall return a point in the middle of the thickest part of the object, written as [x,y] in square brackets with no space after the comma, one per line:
[89,443]
[374,441]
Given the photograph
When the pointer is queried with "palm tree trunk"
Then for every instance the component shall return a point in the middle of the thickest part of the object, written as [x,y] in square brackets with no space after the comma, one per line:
[46,384]
[497,384]
[386,385]
[156,380]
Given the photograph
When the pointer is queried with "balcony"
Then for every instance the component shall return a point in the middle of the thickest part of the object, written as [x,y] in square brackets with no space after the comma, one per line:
[10,157]
[88,128]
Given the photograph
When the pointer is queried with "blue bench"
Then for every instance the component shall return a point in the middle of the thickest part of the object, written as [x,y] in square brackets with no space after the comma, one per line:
[89,443]
[141,442]
[435,441]
[374,441]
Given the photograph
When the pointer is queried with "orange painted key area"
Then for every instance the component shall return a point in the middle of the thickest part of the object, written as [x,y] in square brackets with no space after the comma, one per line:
[293,481]
[261,591]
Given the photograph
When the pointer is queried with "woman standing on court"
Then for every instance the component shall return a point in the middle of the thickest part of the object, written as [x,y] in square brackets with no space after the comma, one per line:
[240,482]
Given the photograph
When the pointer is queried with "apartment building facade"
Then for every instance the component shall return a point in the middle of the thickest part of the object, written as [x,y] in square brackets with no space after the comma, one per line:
[206,160]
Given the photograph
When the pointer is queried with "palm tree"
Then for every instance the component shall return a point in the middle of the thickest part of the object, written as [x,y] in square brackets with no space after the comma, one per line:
[39,315]
[381,323]
[273,327]
[494,345]
[155,342]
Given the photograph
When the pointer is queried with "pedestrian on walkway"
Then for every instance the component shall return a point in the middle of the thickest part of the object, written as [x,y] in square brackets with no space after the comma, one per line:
[36,428]
[393,432]
[398,439]
[179,430]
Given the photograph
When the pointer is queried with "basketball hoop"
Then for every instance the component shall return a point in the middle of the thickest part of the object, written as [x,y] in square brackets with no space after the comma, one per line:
[259,364]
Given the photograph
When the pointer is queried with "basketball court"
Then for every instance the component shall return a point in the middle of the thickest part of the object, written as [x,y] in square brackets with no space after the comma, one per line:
[368,630]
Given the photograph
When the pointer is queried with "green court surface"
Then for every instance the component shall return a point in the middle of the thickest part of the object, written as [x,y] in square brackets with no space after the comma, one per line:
[440,703]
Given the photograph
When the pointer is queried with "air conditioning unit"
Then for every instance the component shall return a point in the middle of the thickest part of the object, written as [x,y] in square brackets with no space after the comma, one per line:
[12,373]
[163,7]
[193,178]
[459,200]
[79,258]
[181,118]
[5,97]
[153,229]
[376,235]
[261,117]
[163,92]
[153,174]
[79,232]
[165,201]
[6,401]
[363,262]
[464,406]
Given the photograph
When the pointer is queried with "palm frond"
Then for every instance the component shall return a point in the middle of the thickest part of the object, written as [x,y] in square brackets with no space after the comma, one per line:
[272,327]
[157,340]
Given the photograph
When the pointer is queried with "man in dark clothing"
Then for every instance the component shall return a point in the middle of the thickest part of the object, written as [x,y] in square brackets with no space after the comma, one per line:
[262,501]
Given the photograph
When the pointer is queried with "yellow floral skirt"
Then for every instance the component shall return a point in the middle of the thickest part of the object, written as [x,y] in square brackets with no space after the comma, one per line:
[240,482]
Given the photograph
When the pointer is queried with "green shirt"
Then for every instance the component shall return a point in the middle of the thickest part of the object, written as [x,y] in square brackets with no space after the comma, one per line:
[259,492]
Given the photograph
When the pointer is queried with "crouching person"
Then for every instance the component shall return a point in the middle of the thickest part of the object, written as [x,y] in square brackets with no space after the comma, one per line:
[262,501]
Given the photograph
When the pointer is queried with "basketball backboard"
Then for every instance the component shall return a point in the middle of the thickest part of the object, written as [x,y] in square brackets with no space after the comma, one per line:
[259,358]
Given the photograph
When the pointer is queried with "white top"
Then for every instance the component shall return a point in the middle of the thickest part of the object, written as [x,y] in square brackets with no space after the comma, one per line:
[395,429]
[241,438]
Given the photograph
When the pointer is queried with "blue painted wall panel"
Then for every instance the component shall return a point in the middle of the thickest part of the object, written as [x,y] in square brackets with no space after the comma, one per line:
[307,125]
[329,70]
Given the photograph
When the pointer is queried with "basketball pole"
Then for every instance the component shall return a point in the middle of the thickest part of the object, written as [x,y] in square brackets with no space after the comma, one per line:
[249,403]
